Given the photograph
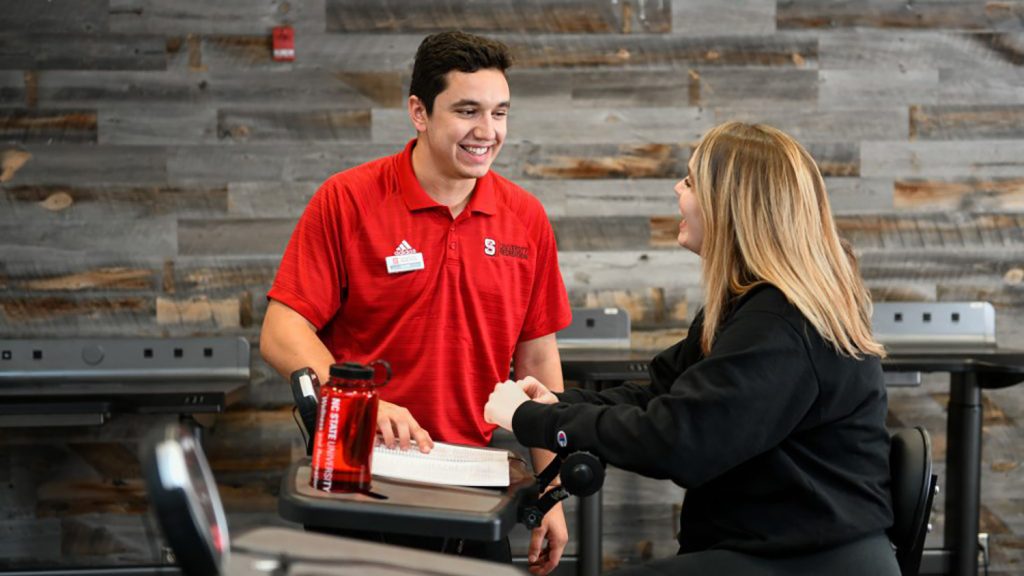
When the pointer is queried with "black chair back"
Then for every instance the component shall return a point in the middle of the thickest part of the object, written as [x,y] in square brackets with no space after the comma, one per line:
[913,488]
[184,496]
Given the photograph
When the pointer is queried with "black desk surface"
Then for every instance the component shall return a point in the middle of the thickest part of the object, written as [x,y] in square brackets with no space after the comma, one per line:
[1002,367]
[292,552]
[410,507]
[184,397]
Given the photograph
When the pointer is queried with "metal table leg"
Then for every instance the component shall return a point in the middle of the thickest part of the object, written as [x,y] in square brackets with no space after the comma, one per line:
[590,535]
[963,473]
[589,520]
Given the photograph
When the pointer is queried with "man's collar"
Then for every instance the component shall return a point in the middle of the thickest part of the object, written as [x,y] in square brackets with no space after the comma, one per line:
[416,198]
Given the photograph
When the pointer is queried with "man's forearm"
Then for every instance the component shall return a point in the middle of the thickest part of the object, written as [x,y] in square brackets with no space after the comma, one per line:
[288,342]
[539,358]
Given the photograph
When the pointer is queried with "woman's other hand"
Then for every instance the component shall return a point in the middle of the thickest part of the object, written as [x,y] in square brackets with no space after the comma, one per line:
[537,391]
[503,402]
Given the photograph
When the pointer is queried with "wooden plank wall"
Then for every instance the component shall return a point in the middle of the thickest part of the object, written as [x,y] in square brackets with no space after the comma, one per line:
[153,160]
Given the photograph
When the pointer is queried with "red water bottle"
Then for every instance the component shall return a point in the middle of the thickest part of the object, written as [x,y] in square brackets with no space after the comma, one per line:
[346,427]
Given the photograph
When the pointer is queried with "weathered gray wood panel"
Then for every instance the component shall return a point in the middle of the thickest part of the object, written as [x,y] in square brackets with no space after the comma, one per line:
[234,88]
[74,16]
[602,87]
[593,161]
[835,158]
[12,88]
[369,53]
[68,239]
[965,195]
[84,165]
[81,52]
[384,89]
[234,237]
[745,87]
[610,197]
[223,274]
[21,125]
[104,88]
[933,230]
[222,17]
[218,165]
[194,165]
[874,49]
[937,265]
[956,14]
[846,195]
[85,274]
[307,87]
[219,52]
[629,270]
[634,125]
[593,234]
[966,122]
[978,159]
[44,205]
[879,88]
[82,316]
[285,125]
[269,199]
[819,124]
[970,86]
[393,126]
[490,16]
[643,51]
[159,124]
[713,18]
[665,86]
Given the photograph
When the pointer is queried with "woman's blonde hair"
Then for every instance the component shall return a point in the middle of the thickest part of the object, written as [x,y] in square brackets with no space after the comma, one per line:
[767,219]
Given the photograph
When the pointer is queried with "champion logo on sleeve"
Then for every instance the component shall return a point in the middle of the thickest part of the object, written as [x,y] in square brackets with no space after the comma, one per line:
[562,439]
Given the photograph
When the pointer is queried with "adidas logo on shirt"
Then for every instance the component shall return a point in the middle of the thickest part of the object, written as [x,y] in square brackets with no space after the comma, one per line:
[404,248]
[406,259]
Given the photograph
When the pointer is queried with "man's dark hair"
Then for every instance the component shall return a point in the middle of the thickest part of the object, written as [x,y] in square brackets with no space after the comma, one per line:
[443,52]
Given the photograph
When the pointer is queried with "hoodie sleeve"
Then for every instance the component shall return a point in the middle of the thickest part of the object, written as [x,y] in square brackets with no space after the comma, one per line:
[745,397]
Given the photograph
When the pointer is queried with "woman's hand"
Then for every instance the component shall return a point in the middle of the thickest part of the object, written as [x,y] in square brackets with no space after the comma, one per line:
[503,402]
[537,391]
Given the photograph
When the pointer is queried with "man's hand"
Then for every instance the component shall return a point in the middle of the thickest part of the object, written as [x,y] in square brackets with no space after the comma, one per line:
[396,423]
[502,404]
[537,391]
[544,559]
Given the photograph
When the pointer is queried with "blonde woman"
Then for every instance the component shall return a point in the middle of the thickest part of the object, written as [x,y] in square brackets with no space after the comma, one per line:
[771,412]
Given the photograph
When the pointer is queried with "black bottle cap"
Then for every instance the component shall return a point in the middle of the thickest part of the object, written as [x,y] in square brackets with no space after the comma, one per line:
[351,371]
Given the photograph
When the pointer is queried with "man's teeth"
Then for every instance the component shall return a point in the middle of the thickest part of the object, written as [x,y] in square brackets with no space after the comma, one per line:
[475,150]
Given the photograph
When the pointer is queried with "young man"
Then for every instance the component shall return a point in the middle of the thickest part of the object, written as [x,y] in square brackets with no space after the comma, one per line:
[434,263]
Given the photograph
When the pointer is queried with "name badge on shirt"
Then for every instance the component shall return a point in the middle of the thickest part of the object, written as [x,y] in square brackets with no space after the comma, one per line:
[404,263]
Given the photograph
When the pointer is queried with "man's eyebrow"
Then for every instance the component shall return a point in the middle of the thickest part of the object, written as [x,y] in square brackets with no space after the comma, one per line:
[469,102]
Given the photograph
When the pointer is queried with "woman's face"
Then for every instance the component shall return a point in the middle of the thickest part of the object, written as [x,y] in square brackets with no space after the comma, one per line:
[691,228]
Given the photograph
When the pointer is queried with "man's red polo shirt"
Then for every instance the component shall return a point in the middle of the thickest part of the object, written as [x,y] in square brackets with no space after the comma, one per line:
[489,280]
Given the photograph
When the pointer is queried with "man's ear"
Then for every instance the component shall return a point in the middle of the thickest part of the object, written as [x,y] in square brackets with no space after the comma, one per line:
[418,113]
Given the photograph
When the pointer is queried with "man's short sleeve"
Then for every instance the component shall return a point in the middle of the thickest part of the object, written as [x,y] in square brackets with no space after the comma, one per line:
[312,276]
[548,311]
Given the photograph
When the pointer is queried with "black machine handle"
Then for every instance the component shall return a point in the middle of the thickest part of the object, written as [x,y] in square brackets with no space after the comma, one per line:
[306,391]
[582,475]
